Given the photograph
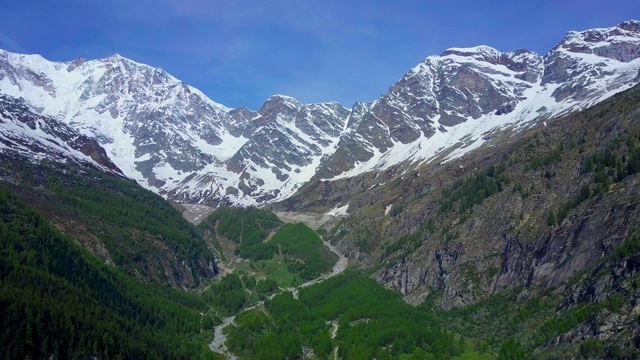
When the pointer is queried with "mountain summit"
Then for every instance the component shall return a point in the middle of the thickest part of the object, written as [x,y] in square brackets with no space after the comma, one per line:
[174,140]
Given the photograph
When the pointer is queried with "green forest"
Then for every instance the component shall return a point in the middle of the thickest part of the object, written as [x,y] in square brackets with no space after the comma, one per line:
[286,253]
[246,227]
[58,299]
[303,250]
[350,314]
[143,235]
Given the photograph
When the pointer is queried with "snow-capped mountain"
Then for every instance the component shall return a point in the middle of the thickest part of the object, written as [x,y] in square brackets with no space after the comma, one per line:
[37,137]
[453,102]
[287,143]
[174,140]
[146,119]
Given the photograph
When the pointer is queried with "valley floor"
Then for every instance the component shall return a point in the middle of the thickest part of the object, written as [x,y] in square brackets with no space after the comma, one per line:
[218,344]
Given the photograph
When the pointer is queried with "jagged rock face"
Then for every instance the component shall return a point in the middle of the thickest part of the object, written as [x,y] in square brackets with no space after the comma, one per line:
[174,140]
[458,86]
[287,135]
[135,111]
[284,143]
[545,259]
[286,139]
[26,133]
[584,60]
[351,146]
[239,121]
[609,279]
[466,86]
[619,43]
[396,224]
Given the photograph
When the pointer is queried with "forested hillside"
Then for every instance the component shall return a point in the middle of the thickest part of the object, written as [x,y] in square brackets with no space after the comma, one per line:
[263,246]
[127,226]
[57,299]
[349,316]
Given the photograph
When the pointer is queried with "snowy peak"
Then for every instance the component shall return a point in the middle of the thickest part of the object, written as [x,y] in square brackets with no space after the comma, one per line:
[287,142]
[460,86]
[448,103]
[525,64]
[619,43]
[147,120]
[75,64]
[37,137]
[279,105]
[480,53]
[176,141]
[283,100]
[586,66]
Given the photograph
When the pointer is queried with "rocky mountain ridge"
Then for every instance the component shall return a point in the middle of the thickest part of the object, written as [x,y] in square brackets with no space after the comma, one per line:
[35,136]
[533,209]
[174,140]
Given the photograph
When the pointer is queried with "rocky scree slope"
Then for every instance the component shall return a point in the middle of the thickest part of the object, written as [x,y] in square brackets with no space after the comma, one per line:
[172,139]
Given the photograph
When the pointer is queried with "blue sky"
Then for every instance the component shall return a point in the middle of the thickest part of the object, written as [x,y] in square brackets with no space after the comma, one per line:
[241,52]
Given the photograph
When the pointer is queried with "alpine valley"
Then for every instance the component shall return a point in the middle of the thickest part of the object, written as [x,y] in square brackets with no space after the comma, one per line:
[486,206]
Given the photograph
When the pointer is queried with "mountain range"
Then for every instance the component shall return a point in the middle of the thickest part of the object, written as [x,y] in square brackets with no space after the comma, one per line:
[496,193]
[174,140]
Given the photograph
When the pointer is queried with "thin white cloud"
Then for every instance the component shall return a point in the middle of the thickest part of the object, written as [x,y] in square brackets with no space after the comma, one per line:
[12,45]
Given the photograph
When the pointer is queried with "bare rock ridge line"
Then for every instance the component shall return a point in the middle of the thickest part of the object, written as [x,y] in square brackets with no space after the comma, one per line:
[174,140]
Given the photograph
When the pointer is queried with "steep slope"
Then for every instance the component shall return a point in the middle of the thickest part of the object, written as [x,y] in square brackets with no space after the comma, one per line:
[287,142]
[454,102]
[38,137]
[59,301]
[531,209]
[153,125]
[175,141]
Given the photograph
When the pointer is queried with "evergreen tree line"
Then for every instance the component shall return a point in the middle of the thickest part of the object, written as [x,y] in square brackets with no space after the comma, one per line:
[305,254]
[611,165]
[373,322]
[472,190]
[126,205]
[57,300]
[246,227]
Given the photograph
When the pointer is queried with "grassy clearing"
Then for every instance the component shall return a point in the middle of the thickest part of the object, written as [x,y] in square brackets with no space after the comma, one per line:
[274,269]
